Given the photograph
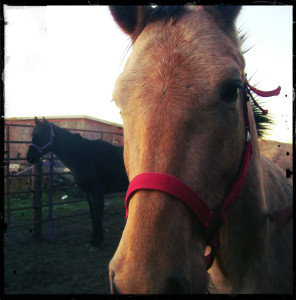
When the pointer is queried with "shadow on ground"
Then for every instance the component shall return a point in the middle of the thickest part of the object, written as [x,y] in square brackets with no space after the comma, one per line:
[64,265]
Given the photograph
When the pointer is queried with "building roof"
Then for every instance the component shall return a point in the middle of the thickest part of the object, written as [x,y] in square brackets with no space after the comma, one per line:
[66,117]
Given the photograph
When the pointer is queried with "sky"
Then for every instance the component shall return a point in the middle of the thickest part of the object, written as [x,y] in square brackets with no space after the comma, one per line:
[64,60]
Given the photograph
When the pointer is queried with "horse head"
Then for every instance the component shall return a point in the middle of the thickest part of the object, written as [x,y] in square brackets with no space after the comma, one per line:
[181,96]
[42,140]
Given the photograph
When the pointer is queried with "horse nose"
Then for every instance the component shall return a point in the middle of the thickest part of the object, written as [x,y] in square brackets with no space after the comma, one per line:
[30,158]
[177,284]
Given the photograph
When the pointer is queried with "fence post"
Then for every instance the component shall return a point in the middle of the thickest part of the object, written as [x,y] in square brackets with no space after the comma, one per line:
[8,178]
[37,202]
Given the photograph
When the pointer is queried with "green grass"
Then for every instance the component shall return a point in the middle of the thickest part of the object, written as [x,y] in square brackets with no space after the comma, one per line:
[25,200]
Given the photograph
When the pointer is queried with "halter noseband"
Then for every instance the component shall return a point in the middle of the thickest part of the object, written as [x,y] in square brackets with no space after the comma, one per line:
[50,143]
[212,220]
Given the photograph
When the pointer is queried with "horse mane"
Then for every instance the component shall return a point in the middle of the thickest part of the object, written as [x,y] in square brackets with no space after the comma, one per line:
[64,130]
[263,122]
[76,135]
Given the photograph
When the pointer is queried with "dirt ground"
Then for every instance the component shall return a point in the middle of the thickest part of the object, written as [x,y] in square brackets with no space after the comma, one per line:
[64,265]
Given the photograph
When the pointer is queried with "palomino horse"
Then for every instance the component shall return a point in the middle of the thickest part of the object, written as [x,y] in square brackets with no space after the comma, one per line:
[192,156]
[97,167]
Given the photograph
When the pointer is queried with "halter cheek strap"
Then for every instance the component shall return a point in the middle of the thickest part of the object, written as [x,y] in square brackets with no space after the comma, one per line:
[41,149]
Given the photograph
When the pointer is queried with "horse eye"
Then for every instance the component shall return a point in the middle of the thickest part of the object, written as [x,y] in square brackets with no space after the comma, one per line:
[230,92]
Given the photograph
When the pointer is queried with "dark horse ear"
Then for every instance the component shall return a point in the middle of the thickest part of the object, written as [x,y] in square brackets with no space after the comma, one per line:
[37,122]
[224,13]
[129,17]
[45,121]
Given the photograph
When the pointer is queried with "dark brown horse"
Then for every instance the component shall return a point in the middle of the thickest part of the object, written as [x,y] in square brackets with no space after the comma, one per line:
[183,99]
[97,167]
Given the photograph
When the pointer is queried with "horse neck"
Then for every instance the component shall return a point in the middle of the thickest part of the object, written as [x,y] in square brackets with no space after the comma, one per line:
[247,224]
[253,189]
[254,180]
[64,146]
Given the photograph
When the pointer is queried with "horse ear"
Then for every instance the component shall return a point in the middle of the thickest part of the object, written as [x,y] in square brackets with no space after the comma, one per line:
[37,122]
[45,121]
[129,17]
[227,13]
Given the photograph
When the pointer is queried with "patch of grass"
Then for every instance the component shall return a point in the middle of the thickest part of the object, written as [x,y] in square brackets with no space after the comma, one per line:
[26,215]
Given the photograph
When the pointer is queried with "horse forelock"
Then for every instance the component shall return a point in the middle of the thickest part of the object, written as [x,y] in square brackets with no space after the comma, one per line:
[38,129]
[164,12]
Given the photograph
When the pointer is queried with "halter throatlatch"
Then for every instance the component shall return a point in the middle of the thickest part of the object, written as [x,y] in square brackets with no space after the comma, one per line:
[50,143]
[211,219]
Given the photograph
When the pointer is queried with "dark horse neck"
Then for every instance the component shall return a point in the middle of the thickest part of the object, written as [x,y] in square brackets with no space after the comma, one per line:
[66,145]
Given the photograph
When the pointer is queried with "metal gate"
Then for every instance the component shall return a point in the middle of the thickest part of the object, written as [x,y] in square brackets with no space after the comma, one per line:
[30,182]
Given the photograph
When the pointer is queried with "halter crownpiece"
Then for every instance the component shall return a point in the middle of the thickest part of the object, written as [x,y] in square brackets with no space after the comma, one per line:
[211,219]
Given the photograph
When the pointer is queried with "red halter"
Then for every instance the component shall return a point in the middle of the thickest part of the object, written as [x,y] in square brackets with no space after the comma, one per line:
[212,220]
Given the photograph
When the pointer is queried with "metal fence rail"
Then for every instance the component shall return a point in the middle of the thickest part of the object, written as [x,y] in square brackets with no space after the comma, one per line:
[36,176]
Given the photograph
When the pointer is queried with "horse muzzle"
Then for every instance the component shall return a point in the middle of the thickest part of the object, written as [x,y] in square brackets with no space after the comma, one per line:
[177,283]
[33,158]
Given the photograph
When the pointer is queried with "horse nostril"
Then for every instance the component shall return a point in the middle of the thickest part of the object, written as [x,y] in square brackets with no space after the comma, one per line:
[177,285]
[113,288]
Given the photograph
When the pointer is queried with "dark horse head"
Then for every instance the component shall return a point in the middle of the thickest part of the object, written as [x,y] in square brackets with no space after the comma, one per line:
[42,140]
